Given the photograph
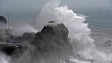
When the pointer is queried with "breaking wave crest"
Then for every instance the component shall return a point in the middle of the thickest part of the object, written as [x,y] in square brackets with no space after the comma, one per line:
[79,34]
[78,29]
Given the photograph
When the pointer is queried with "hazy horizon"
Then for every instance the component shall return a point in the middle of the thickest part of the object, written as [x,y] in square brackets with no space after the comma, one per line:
[36,5]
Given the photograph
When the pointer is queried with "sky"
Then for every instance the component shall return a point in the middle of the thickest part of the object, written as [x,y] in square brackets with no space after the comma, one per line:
[38,4]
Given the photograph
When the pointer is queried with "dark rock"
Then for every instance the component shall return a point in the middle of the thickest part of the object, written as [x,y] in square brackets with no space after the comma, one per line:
[3,19]
[9,49]
[52,39]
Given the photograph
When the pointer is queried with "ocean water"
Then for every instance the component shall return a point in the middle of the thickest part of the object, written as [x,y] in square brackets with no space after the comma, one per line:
[98,18]
[100,21]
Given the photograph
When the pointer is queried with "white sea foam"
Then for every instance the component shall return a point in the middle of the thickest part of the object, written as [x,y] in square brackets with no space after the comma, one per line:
[79,33]
[78,29]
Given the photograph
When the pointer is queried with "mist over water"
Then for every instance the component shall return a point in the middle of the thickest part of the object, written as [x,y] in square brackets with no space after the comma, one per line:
[78,30]
[22,28]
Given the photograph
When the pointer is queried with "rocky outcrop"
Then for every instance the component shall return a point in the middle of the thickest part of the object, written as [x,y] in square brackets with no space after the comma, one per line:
[50,45]
[3,19]
[53,39]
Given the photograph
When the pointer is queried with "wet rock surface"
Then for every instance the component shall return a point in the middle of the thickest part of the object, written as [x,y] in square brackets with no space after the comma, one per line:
[52,38]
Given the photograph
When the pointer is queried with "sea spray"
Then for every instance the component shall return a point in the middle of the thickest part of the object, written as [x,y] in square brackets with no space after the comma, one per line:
[78,29]
[79,33]
[22,28]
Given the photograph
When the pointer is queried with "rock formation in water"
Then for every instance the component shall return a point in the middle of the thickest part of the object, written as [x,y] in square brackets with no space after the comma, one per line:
[50,45]
[3,19]
[52,39]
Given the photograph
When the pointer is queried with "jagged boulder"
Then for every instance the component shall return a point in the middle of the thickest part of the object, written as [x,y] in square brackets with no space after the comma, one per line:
[53,39]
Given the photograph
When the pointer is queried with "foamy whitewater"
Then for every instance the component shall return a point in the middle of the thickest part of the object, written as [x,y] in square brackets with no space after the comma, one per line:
[85,50]
[79,34]
[78,30]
